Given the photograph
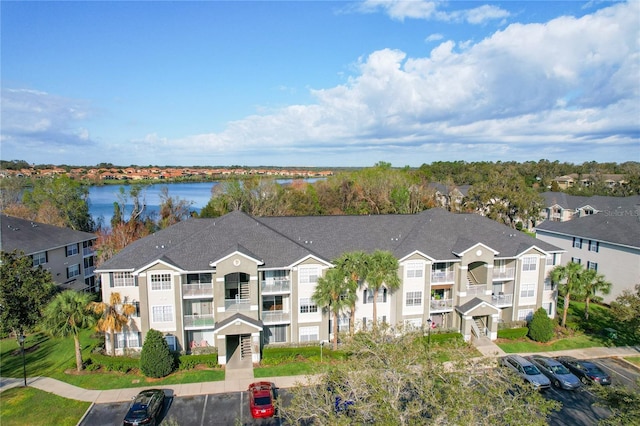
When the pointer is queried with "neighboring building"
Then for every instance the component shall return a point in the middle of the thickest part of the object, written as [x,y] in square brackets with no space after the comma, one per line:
[608,242]
[239,282]
[574,179]
[560,207]
[450,197]
[67,254]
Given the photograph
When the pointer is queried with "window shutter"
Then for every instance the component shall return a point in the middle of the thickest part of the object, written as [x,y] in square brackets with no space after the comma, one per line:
[384,295]
[110,279]
[364,297]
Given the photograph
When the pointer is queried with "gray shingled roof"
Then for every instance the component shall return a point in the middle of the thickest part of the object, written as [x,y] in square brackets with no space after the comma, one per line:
[598,202]
[616,226]
[280,241]
[34,237]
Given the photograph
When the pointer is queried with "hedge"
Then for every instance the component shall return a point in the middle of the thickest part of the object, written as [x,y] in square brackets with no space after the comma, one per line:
[122,364]
[188,362]
[513,333]
[279,354]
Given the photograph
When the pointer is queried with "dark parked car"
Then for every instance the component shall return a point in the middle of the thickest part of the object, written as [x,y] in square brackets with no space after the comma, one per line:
[525,369]
[262,399]
[146,408]
[559,375]
[587,371]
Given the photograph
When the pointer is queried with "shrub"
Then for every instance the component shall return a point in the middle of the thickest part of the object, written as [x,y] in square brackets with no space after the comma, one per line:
[513,333]
[156,359]
[541,326]
[122,364]
[189,362]
[280,354]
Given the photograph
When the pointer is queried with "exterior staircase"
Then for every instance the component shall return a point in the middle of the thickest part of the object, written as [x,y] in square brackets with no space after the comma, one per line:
[245,346]
[480,327]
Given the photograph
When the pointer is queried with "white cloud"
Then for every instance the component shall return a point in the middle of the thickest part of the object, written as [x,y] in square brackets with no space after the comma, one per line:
[431,10]
[434,37]
[566,81]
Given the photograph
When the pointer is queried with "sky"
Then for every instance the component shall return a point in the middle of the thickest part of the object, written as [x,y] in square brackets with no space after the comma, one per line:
[319,84]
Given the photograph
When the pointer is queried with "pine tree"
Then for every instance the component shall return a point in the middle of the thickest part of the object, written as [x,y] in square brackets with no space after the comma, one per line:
[156,359]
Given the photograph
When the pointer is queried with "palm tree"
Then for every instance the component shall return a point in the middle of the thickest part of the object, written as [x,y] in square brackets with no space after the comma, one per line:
[593,283]
[354,266]
[382,269]
[328,295]
[570,274]
[66,315]
[113,317]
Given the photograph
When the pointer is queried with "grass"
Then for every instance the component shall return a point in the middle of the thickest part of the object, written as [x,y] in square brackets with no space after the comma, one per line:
[586,333]
[30,406]
[634,360]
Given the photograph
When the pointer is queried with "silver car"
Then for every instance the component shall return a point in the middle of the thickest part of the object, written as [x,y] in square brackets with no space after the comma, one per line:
[559,375]
[525,369]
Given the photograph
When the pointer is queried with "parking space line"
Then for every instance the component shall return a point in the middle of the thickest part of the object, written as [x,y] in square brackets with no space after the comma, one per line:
[241,405]
[611,369]
[204,409]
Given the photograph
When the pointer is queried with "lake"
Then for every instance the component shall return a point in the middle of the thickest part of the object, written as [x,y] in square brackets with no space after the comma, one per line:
[101,198]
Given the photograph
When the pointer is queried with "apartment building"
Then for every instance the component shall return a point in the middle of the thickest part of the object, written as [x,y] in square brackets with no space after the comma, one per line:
[608,242]
[239,282]
[67,254]
[561,207]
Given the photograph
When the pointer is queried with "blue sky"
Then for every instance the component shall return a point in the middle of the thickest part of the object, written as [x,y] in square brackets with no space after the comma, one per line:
[323,83]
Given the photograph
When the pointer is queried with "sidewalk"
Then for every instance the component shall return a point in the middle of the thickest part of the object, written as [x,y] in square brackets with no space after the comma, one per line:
[239,380]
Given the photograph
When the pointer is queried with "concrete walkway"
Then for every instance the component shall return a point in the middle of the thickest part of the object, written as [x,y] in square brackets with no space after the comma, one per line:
[239,380]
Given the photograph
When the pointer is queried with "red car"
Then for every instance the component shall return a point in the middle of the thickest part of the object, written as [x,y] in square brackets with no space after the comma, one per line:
[261,399]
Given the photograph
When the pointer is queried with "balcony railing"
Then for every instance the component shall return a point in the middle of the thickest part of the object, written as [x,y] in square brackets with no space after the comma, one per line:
[441,277]
[476,290]
[89,271]
[502,299]
[441,305]
[195,320]
[197,290]
[504,274]
[237,304]
[88,251]
[276,286]
[275,316]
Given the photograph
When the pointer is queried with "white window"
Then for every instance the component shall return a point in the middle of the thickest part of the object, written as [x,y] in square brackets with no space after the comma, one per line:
[72,250]
[309,334]
[528,291]
[160,282]
[276,334]
[172,342]
[413,298]
[415,270]
[577,242]
[39,258]
[592,265]
[594,246]
[308,275]
[162,313]
[128,340]
[73,271]
[551,260]
[529,263]
[123,279]
[576,260]
[525,314]
[307,305]
[368,296]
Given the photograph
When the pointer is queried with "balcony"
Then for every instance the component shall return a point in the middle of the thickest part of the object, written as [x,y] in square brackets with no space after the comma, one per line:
[272,317]
[276,286]
[197,290]
[441,305]
[237,305]
[88,251]
[438,277]
[476,289]
[199,321]
[504,274]
[502,300]
[89,271]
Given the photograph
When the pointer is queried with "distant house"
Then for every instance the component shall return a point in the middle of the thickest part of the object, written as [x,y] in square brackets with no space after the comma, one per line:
[239,282]
[450,197]
[67,254]
[608,242]
[586,180]
[561,207]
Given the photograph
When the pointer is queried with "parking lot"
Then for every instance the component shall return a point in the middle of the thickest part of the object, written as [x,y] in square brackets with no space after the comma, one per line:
[578,407]
[213,409]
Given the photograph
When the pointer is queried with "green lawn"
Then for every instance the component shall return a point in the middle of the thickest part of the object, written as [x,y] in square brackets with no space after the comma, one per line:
[30,406]
[576,342]
[634,360]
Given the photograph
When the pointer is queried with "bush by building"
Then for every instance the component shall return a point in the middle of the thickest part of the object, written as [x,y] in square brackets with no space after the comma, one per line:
[541,327]
[156,360]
